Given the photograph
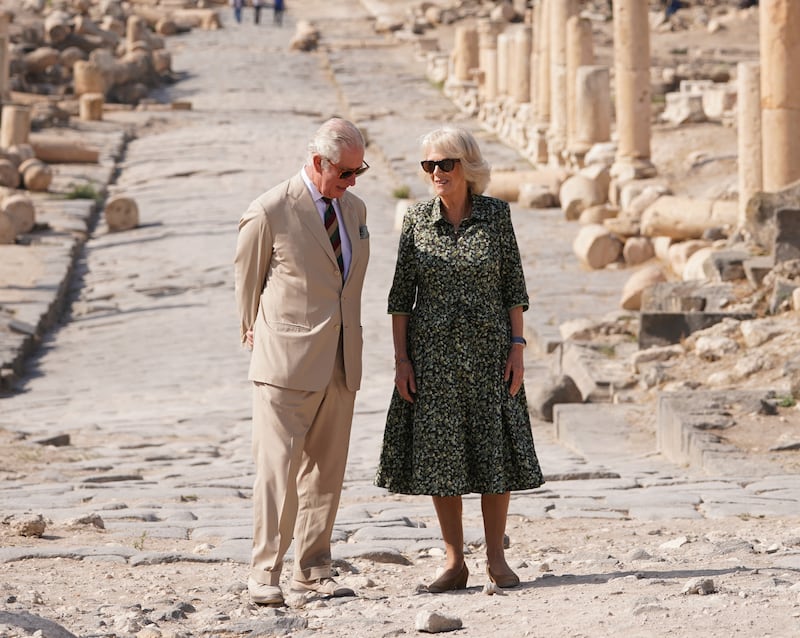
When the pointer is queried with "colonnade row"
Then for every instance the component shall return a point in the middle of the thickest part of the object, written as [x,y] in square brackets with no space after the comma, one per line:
[538,86]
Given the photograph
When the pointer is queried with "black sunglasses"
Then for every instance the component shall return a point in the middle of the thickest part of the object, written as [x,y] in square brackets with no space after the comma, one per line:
[445,165]
[354,171]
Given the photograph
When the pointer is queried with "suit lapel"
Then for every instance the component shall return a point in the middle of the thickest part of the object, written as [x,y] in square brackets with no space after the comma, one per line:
[307,212]
[351,224]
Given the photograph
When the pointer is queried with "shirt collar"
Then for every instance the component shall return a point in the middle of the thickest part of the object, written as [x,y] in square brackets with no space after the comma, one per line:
[315,194]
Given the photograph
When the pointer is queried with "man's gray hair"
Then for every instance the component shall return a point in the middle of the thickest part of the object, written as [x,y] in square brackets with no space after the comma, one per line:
[332,137]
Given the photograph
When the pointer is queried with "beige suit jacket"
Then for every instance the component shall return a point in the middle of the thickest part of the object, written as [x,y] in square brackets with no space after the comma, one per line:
[289,290]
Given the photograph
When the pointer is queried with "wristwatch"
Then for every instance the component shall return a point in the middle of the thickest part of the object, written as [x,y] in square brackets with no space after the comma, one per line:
[520,340]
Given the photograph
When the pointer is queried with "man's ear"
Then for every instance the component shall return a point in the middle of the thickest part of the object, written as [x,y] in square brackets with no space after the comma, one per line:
[317,160]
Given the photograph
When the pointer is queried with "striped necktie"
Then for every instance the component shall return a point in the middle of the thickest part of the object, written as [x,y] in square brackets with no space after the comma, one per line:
[332,226]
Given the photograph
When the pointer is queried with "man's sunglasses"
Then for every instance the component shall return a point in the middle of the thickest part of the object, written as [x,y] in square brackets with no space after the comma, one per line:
[353,171]
[445,165]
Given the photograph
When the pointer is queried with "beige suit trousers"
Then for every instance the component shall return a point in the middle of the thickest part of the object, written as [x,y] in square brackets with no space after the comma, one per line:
[300,444]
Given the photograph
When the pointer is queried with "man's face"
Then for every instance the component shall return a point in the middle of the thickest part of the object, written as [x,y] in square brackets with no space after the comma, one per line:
[330,183]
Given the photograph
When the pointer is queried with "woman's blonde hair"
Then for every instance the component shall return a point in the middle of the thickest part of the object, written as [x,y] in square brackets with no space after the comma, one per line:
[458,143]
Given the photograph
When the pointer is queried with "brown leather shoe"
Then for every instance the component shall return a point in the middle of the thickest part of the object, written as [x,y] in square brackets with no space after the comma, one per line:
[322,586]
[264,594]
[503,581]
[450,582]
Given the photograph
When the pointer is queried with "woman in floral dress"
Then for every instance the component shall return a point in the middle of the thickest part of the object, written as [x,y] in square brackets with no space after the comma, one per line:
[458,420]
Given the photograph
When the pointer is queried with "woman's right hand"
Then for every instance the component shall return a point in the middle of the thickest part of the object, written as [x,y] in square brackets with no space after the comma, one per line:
[404,380]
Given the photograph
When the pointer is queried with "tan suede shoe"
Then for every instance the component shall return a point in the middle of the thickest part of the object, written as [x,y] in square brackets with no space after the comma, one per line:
[264,594]
[323,586]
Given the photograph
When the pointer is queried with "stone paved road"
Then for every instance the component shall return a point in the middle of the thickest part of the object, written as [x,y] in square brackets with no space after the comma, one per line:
[146,375]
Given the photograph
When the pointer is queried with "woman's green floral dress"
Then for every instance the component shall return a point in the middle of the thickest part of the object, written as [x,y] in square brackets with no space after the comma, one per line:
[464,433]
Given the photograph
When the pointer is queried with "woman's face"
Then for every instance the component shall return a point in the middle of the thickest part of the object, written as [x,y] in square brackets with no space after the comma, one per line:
[447,183]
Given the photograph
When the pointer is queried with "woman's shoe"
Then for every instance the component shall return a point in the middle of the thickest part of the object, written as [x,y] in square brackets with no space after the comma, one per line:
[504,581]
[447,582]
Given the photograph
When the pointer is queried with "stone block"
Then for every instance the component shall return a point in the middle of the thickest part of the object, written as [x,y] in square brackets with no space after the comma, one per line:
[761,211]
[726,265]
[787,235]
[756,268]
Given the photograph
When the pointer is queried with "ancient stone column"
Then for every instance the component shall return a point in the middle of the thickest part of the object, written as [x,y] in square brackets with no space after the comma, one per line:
[632,87]
[487,58]
[560,12]
[748,115]
[90,107]
[88,78]
[779,26]
[15,125]
[136,32]
[503,62]
[534,63]
[542,43]
[592,108]
[580,52]
[4,57]
[465,53]
[520,85]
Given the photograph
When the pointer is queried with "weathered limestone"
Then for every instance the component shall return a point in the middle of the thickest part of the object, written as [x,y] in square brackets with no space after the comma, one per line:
[36,174]
[40,59]
[465,53]
[506,184]
[671,311]
[4,56]
[560,12]
[88,78]
[55,150]
[632,82]
[519,87]
[503,62]
[592,108]
[542,44]
[9,174]
[642,279]
[135,31]
[21,211]
[584,189]
[15,126]
[487,59]
[596,247]
[90,107]
[57,26]
[787,235]
[687,218]
[8,233]
[779,24]
[761,210]
[536,19]
[121,213]
[749,135]
[580,52]
[637,250]
[85,26]
[679,254]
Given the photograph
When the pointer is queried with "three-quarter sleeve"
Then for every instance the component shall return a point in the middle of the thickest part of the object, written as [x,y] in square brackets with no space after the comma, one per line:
[515,292]
[404,285]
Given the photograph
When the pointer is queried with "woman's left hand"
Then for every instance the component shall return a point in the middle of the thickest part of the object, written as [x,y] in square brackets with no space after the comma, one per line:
[515,369]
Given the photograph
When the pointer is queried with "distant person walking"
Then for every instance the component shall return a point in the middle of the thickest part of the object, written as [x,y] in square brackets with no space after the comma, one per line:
[257,4]
[278,8]
[237,10]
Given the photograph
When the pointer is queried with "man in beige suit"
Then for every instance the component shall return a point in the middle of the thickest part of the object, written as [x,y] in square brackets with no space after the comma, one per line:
[301,256]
